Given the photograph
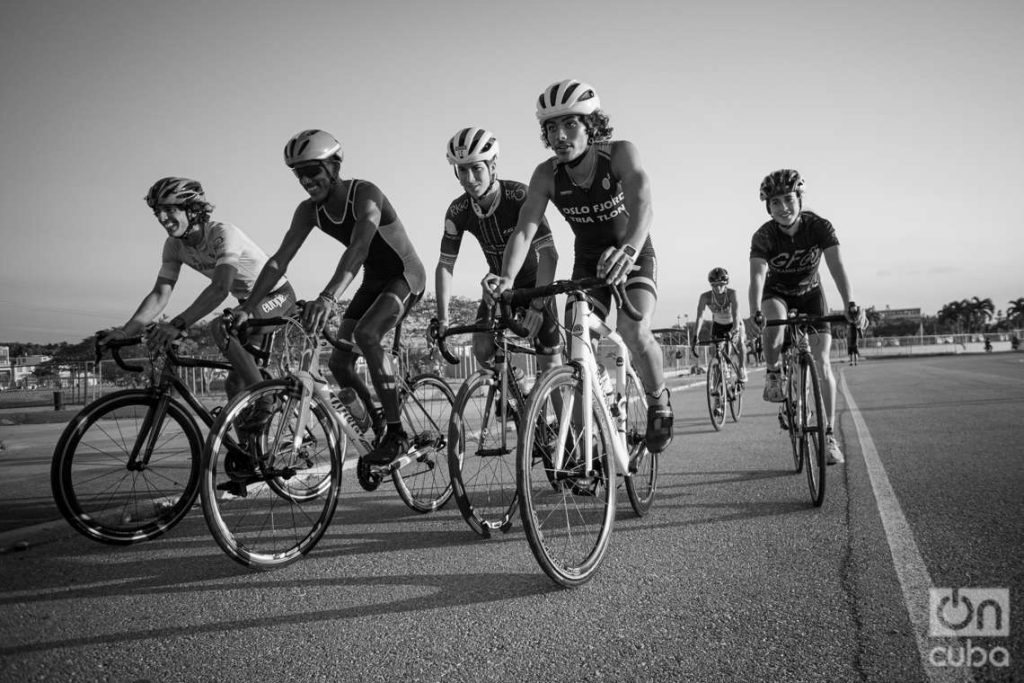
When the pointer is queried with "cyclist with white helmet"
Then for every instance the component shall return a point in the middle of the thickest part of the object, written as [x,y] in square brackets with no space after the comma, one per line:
[785,254]
[221,252]
[357,214]
[724,305]
[604,194]
[489,209]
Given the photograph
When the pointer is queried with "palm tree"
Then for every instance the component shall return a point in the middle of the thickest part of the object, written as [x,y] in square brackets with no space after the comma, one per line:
[954,314]
[980,311]
[1015,311]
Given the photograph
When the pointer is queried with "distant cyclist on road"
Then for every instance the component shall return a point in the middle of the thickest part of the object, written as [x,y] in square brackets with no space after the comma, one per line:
[357,214]
[221,252]
[724,305]
[489,210]
[605,195]
[784,256]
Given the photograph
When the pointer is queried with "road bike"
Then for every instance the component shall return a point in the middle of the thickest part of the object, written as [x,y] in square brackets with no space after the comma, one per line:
[802,412]
[272,506]
[575,436]
[126,468]
[484,429]
[723,381]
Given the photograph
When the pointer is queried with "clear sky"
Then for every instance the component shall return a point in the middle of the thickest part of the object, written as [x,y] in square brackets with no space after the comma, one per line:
[904,117]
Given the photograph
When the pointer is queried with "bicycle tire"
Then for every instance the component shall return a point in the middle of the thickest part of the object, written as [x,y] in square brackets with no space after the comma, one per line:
[734,391]
[791,407]
[568,525]
[812,422]
[482,448]
[715,389]
[642,484]
[94,489]
[425,484]
[280,512]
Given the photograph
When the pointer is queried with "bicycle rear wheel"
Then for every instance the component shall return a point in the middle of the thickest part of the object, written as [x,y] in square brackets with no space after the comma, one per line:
[268,497]
[716,392]
[424,484]
[812,419]
[482,443]
[107,495]
[642,484]
[567,513]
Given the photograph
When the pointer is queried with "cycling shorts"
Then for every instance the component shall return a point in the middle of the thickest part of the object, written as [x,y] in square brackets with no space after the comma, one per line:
[812,304]
[547,341]
[277,304]
[645,278]
[373,293]
[720,330]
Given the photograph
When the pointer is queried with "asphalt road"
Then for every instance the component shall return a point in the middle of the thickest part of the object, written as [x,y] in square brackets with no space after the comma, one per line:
[733,577]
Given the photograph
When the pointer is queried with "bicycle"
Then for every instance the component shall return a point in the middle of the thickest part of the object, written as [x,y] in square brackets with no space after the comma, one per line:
[269,510]
[565,484]
[126,468]
[484,430]
[802,412]
[723,383]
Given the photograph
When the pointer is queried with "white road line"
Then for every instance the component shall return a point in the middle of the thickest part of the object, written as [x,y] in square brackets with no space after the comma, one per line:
[911,570]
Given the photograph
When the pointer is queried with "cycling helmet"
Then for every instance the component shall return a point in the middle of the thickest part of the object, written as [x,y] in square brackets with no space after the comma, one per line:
[311,145]
[177,191]
[470,145]
[567,97]
[718,276]
[780,182]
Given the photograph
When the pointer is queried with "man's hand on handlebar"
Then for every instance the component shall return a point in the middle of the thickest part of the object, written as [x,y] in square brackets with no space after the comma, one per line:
[161,335]
[493,285]
[758,320]
[616,264]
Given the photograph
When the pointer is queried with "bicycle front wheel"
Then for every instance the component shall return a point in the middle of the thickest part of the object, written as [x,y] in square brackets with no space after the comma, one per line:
[424,484]
[812,419]
[567,511]
[716,393]
[482,440]
[791,410]
[121,473]
[642,483]
[269,493]
[734,391]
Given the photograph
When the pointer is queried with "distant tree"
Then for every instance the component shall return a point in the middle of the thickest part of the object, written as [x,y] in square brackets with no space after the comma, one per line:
[1015,311]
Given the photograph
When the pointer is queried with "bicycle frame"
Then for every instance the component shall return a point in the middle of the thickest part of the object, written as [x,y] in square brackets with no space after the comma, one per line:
[581,351]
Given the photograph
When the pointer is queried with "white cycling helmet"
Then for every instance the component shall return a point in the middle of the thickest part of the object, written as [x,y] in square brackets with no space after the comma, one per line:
[311,145]
[470,145]
[567,97]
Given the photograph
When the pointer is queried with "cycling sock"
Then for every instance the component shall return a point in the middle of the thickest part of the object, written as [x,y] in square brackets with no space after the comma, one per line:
[656,395]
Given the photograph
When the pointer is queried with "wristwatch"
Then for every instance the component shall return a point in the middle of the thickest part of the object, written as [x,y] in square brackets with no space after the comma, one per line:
[629,251]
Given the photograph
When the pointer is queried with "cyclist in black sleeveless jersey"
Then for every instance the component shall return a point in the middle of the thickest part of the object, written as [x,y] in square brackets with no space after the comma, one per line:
[785,254]
[605,195]
[488,210]
[357,214]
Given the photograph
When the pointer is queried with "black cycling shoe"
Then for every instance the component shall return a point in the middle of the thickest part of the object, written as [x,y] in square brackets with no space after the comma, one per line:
[394,444]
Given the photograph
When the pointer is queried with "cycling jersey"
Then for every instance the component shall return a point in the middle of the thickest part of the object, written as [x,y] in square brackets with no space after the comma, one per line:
[720,306]
[391,254]
[793,261]
[221,243]
[596,213]
[492,230]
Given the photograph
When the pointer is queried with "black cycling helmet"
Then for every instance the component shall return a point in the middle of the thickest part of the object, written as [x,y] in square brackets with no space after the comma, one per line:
[718,276]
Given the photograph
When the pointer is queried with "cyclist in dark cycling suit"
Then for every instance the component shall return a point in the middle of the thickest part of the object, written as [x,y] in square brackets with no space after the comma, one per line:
[784,256]
[604,194]
[357,214]
[489,210]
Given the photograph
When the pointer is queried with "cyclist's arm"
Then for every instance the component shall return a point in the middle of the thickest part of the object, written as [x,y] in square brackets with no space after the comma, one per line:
[530,216]
[152,305]
[699,320]
[758,271]
[210,299]
[277,265]
[443,284]
[367,210]
[636,190]
[834,261]
[547,264]
[734,306]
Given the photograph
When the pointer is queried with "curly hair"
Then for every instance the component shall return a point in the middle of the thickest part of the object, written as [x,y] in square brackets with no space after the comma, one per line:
[198,212]
[597,125]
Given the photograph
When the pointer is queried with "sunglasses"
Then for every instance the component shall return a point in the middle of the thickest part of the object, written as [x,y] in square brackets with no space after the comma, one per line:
[307,171]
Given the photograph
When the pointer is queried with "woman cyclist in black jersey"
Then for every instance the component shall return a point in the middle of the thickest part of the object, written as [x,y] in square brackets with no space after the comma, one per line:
[785,254]
[604,194]
[489,210]
[357,214]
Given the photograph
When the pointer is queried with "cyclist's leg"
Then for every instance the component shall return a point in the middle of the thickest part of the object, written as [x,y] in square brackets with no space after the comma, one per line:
[548,343]
[774,307]
[483,342]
